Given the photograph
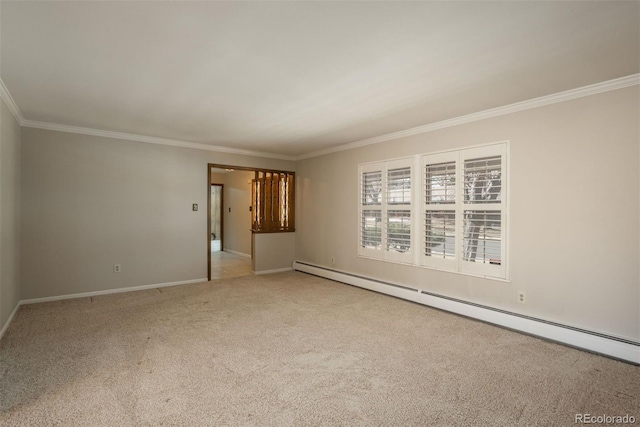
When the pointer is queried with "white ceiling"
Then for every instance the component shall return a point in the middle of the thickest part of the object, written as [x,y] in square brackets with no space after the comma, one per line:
[291,78]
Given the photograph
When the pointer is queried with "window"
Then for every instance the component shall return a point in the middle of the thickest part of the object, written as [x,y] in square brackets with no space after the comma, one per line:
[272,202]
[385,212]
[465,211]
[439,211]
[451,215]
[371,212]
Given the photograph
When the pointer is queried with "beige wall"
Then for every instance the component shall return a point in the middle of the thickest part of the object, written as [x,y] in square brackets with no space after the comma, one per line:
[9,213]
[216,211]
[273,251]
[237,197]
[237,223]
[91,202]
[574,233]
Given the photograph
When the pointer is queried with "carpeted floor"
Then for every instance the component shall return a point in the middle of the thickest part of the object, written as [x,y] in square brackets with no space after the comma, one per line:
[290,349]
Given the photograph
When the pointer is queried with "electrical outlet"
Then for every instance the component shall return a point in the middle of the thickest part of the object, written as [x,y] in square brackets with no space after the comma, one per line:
[117,268]
[521,297]
[333,260]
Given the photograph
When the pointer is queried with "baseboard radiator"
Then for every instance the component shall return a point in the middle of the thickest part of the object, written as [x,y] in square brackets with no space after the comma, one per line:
[614,347]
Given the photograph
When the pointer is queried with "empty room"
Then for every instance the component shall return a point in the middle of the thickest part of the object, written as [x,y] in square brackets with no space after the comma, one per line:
[337,213]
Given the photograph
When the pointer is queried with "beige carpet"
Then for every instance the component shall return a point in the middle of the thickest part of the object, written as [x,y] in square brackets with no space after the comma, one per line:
[290,349]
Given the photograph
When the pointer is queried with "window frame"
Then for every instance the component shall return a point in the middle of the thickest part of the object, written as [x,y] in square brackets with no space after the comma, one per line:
[385,206]
[418,211]
[362,207]
[391,255]
[425,260]
[487,270]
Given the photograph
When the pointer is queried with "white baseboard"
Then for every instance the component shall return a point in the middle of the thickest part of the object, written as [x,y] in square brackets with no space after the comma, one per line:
[242,254]
[591,341]
[8,322]
[277,270]
[111,291]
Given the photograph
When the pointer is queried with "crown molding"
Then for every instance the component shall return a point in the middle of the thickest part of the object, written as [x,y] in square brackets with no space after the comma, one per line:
[568,95]
[13,107]
[150,139]
[11,104]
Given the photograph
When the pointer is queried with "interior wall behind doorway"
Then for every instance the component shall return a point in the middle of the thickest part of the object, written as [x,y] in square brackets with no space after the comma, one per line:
[236,215]
[215,216]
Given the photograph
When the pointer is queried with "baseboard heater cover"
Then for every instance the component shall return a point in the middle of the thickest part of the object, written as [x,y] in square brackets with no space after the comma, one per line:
[615,347]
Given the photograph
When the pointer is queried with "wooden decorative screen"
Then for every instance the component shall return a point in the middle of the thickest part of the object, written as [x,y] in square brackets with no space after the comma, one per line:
[272,195]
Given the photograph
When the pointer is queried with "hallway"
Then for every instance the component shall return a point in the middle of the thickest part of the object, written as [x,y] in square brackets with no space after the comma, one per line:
[226,264]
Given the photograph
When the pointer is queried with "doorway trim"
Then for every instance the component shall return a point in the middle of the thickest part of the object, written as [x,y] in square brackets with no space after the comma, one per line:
[209,183]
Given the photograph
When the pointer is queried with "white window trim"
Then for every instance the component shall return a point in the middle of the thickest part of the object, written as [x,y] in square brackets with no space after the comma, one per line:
[416,255]
[427,261]
[498,271]
[363,251]
[402,257]
[383,253]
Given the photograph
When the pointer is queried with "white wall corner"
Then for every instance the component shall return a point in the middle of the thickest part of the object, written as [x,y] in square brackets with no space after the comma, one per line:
[6,325]
[11,104]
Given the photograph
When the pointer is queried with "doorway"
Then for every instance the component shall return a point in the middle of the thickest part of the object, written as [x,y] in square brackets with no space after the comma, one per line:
[216,218]
[228,222]
[257,202]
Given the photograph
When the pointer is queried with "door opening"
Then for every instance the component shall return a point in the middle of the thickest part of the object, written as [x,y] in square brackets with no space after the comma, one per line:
[216,218]
[228,222]
[246,209]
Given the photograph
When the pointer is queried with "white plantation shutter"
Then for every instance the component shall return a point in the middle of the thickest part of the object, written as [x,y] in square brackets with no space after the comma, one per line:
[446,211]
[398,230]
[385,210]
[482,180]
[440,180]
[483,234]
[370,211]
[464,208]
[372,188]
[440,234]
[482,237]
[399,186]
[398,244]
[371,229]
[440,192]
